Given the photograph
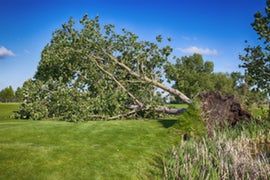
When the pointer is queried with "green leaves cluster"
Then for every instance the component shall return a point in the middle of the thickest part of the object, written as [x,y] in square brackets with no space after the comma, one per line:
[77,79]
[9,95]
[256,60]
[192,75]
[53,99]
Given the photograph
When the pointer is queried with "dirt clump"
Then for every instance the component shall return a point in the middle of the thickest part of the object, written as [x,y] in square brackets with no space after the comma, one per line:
[221,110]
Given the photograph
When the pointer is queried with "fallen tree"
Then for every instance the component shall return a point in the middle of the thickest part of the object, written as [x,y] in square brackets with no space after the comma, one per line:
[96,73]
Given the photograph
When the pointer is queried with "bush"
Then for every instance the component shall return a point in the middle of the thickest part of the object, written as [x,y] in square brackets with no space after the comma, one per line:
[191,122]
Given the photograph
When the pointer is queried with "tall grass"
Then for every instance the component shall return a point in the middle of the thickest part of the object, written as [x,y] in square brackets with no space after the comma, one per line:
[240,153]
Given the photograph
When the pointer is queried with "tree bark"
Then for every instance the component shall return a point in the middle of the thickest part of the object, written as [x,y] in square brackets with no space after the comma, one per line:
[134,111]
[173,111]
[119,84]
[161,109]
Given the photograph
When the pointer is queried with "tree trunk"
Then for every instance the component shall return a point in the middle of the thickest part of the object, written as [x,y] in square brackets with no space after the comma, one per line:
[169,90]
[155,83]
[173,111]
[160,109]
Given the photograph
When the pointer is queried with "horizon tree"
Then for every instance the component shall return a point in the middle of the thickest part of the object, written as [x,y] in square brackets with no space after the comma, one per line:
[7,94]
[256,60]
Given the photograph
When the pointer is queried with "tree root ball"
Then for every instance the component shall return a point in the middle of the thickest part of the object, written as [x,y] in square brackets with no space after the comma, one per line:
[221,110]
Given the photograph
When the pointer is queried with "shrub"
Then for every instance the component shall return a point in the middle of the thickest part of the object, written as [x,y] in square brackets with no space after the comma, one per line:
[191,122]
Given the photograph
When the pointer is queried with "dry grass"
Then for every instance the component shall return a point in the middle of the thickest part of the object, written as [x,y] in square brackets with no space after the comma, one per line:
[231,154]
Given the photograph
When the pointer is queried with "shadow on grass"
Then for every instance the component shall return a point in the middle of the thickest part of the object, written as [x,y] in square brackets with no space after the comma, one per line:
[167,123]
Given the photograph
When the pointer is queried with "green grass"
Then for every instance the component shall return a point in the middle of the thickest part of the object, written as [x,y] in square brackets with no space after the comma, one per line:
[260,112]
[91,150]
[6,110]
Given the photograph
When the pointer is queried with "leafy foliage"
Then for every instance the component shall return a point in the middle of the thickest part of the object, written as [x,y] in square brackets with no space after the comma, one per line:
[192,75]
[256,61]
[7,95]
[79,76]
[53,99]
[19,95]
[191,122]
[187,74]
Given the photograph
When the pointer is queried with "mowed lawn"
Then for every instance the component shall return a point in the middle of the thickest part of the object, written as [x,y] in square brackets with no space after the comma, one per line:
[122,149]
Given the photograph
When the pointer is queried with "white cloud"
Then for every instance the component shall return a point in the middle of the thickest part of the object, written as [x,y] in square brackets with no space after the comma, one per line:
[4,52]
[202,51]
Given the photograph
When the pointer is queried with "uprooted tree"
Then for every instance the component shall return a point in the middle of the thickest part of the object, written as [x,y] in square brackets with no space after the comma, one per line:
[96,73]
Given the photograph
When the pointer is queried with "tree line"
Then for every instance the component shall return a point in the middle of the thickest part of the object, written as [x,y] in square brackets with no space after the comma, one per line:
[193,75]
[9,95]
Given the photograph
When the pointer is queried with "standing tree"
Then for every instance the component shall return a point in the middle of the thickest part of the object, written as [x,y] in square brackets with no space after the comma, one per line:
[256,61]
[7,95]
[19,95]
[191,74]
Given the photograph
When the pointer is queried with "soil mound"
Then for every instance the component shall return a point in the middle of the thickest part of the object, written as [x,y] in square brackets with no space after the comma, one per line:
[218,109]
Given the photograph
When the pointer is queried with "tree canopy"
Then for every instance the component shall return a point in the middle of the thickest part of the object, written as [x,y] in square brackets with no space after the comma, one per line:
[7,94]
[95,72]
[256,61]
[193,75]
[190,74]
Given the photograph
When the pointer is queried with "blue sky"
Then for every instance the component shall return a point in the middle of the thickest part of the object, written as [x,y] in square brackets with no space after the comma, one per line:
[215,28]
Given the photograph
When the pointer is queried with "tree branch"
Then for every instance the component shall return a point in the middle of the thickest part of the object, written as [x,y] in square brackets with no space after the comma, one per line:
[154,82]
[166,110]
[134,111]
[162,109]
[119,84]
